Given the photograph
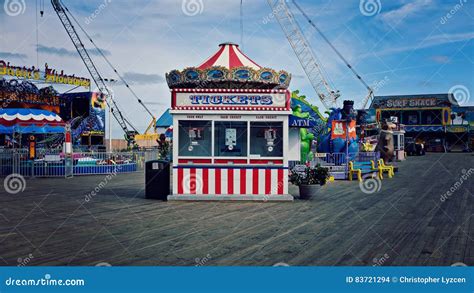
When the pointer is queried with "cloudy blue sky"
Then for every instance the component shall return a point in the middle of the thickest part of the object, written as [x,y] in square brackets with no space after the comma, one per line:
[401,47]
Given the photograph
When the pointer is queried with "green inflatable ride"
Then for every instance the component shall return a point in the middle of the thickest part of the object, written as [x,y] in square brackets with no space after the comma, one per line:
[303,109]
[305,135]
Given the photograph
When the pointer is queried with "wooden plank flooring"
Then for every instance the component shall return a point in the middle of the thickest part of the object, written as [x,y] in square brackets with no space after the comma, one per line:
[404,223]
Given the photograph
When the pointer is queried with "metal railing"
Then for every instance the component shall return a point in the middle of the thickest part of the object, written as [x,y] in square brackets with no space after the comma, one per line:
[339,159]
[52,163]
[337,163]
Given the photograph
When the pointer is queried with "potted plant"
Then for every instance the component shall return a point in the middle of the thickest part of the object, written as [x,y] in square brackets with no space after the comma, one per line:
[163,147]
[309,180]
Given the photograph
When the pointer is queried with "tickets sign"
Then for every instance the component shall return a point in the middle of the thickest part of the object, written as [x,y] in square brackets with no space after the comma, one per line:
[220,99]
[231,100]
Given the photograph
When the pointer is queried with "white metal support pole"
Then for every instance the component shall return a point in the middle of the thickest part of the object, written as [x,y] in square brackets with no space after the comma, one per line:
[110,130]
[68,153]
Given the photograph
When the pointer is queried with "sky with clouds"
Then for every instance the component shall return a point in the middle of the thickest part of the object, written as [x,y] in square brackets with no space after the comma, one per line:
[398,46]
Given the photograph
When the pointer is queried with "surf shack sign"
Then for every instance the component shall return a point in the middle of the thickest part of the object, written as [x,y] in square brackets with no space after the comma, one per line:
[409,103]
[49,75]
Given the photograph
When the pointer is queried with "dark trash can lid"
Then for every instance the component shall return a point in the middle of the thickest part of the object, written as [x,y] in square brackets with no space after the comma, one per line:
[157,164]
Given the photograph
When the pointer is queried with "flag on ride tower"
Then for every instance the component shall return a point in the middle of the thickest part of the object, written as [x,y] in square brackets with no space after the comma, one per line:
[339,127]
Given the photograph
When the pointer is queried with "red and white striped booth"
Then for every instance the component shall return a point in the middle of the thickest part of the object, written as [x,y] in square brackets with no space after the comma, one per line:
[229,143]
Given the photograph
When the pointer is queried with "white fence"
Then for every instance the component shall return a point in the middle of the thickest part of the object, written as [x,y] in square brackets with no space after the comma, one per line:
[52,163]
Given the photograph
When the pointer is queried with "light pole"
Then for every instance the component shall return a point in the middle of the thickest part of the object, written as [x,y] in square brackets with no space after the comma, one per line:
[110,130]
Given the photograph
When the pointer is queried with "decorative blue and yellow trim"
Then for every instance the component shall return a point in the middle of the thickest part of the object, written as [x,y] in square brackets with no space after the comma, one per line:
[194,77]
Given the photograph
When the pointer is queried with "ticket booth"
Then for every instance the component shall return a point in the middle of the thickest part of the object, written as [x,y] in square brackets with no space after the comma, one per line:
[399,144]
[230,142]
[398,139]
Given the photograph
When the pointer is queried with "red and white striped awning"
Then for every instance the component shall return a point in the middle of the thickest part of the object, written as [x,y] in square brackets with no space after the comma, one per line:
[9,117]
[229,56]
[23,120]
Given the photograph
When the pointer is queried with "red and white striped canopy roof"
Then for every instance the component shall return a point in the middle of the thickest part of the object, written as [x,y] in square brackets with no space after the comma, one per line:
[229,56]
[13,116]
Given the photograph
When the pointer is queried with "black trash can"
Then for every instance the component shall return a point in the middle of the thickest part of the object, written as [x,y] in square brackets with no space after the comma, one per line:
[157,179]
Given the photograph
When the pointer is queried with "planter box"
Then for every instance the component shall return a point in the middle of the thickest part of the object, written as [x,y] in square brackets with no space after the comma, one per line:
[307,191]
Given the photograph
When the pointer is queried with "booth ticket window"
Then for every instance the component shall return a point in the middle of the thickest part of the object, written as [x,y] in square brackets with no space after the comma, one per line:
[195,138]
[266,139]
[230,139]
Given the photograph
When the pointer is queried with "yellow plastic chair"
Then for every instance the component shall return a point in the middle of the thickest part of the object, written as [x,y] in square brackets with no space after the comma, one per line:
[352,171]
[384,167]
[378,168]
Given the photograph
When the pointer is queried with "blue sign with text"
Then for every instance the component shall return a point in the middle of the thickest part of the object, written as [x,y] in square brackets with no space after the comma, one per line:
[301,122]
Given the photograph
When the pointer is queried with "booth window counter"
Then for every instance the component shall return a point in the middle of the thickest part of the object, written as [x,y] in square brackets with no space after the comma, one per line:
[266,139]
[195,138]
[231,139]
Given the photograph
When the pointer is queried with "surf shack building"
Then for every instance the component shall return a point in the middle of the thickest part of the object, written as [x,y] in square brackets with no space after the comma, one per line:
[230,129]
[432,119]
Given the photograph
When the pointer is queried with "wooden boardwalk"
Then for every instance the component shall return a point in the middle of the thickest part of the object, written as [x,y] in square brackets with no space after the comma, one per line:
[404,223]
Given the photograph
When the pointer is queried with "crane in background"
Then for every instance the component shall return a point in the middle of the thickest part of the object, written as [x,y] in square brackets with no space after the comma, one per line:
[308,60]
[131,133]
